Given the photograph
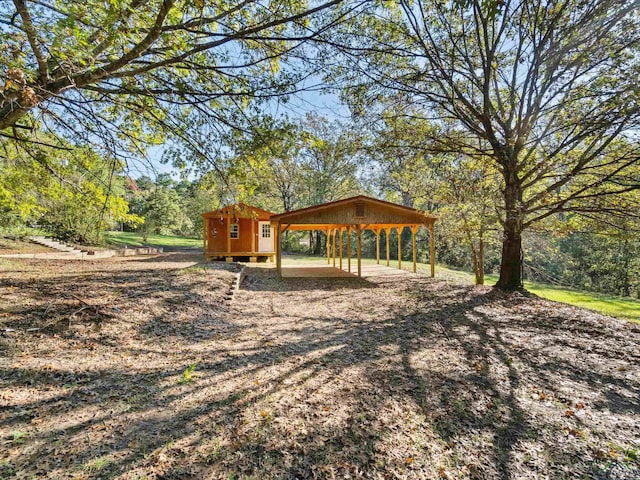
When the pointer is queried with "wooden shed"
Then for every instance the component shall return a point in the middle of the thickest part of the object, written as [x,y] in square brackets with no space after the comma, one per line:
[355,215]
[238,230]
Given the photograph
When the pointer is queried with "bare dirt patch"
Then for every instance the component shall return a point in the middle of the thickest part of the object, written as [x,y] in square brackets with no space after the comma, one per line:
[141,369]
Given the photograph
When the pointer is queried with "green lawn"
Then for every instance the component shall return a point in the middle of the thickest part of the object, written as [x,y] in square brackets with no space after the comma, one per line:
[622,307]
[132,239]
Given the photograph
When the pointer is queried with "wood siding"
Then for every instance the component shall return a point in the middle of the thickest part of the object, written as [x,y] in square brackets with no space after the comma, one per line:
[242,244]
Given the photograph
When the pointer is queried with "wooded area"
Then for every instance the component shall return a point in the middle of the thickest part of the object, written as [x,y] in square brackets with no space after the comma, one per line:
[511,120]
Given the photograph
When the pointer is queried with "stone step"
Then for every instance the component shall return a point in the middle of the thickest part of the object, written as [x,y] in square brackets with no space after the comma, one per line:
[55,244]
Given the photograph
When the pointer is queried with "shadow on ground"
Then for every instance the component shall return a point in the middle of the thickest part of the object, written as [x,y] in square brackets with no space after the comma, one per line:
[330,378]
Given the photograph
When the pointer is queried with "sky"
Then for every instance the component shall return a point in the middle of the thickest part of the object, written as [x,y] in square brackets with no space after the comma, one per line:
[325,104]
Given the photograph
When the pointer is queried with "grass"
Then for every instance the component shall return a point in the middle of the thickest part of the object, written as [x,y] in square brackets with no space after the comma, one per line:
[621,307]
[133,239]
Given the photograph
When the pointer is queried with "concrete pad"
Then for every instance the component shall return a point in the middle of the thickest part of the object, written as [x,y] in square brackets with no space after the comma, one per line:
[318,270]
[314,271]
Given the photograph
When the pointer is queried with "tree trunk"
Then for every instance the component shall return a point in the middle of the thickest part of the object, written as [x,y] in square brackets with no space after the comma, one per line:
[477,255]
[625,284]
[480,273]
[476,268]
[407,199]
[318,245]
[511,262]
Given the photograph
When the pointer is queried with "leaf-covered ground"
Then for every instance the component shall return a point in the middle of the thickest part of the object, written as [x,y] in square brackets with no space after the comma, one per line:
[140,368]
[11,246]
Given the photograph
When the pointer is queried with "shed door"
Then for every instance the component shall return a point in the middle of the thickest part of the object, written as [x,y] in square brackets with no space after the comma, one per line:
[265,237]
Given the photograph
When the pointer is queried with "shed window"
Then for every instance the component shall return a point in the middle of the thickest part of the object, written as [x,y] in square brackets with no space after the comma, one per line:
[235,231]
[266,230]
[359,210]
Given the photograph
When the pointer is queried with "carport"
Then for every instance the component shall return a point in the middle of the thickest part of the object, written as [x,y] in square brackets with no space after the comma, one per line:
[353,216]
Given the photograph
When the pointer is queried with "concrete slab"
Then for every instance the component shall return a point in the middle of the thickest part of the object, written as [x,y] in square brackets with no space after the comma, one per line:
[313,271]
[317,270]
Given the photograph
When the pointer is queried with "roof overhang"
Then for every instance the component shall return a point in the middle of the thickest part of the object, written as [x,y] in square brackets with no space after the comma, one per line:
[383,215]
[239,210]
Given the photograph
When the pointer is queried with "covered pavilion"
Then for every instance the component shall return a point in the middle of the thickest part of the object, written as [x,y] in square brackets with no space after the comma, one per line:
[356,214]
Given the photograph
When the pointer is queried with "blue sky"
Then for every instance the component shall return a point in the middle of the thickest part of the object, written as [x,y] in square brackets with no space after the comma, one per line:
[325,104]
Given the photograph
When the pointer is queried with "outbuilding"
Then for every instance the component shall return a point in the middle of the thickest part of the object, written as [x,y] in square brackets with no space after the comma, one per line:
[238,230]
[353,216]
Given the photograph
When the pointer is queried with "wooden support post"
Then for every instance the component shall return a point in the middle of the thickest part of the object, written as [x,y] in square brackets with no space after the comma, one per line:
[333,244]
[335,238]
[387,232]
[340,246]
[413,248]
[253,235]
[205,230]
[228,233]
[349,249]
[399,230]
[432,252]
[377,246]
[328,246]
[279,251]
[359,234]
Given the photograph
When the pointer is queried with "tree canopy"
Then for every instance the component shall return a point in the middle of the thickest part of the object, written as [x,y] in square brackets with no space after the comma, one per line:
[120,73]
[547,90]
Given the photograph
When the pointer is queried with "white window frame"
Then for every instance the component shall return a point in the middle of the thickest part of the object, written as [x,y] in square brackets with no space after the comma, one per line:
[266,230]
[234,229]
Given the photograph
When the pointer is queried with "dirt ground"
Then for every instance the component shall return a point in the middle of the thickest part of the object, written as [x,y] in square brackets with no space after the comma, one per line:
[140,368]
[10,246]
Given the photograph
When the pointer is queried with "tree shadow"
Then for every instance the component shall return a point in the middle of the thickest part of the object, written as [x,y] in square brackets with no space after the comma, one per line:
[316,379]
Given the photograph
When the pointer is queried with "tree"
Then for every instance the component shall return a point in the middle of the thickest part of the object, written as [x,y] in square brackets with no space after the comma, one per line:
[118,72]
[546,89]
[74,193]
[329,165]
[406,163]
[329,160]
[267,161]
[159,205]
[462,191]
[467,197]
